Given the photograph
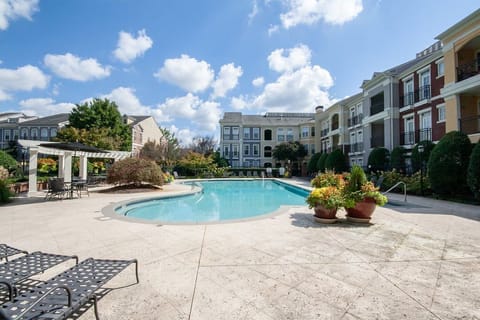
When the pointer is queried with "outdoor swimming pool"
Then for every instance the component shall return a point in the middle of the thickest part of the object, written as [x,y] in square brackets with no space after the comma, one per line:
[217,200]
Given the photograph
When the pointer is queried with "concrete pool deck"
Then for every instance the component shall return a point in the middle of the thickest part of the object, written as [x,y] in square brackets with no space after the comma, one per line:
[419,260]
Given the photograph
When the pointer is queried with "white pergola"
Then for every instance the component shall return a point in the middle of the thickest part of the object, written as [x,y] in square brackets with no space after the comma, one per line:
[64,161]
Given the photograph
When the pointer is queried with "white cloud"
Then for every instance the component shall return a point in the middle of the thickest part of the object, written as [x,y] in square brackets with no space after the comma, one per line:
[44,107]
[127,101]
[298,91]
[238,103]
[184,136]
[71,67]
[13,9]
[130,48]
[310,11]
[258,82]
[25,78]
[200,115]
[187,73]
[227,79]
[295,58]
[254,12]
[273,29]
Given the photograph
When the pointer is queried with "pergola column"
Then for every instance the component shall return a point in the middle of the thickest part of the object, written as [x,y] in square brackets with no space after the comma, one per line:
[32,171]
[83,167]
[61,166]
[67,167]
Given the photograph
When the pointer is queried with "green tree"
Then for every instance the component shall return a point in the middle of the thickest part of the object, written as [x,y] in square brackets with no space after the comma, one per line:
[473,172]
[97,123]
[219,160]
[448,163]
[417,159]
[135,171]
[289,151]
[312,163]
[171,148]
[321,162]
[336,161]
[7,161]
[397,159]
[194,163]
[378,159]
[203,145]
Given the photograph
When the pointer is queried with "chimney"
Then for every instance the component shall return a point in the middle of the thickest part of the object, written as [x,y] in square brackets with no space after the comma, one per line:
[319,109]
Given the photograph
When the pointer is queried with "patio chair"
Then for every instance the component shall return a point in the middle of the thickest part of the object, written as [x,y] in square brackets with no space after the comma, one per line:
[19,269]
[66,293]
[57,188]
[7,251]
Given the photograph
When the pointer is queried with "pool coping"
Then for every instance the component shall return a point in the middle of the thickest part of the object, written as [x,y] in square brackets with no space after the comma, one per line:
[109,211]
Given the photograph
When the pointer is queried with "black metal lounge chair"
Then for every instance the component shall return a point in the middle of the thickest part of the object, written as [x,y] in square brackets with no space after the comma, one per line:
[57,188]
[66,293]
[16,270]
[7,251]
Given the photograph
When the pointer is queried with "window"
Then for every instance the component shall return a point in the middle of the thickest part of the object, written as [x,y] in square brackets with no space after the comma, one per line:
[289,134]
[267,152]
[256,150]
[267,134]
[408,92]
[409,130]
[235,150]
[256,133]
[440,69]
[235,132]
[280,134]
[44,134]
[246,133]
[15,134]
[226,132]
[24,133]
[313,131]
[226,151]
[6,135]
[34,133]
[246,150]
[305,132]
[53,132]
[441,112]
[312,149]
[425,126]
[425,85]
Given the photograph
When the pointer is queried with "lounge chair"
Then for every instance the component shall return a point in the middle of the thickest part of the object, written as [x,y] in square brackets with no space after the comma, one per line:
[16,270]
[66,293]
[7,251]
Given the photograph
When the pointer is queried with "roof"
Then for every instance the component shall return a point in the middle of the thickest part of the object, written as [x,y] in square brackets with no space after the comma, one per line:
[269,119]
[47,121]
[137,119]
[470,18]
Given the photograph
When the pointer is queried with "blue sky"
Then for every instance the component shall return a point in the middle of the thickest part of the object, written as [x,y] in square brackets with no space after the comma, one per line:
[186,62]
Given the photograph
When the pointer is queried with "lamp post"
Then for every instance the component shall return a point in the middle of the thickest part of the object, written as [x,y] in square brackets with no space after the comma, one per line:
[421,149]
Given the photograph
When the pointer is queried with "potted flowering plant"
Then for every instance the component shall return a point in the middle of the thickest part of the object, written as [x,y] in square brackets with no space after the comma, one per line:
[326,196]
[361,196]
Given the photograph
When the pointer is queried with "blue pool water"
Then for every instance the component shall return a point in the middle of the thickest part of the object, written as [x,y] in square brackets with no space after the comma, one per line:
[218,201]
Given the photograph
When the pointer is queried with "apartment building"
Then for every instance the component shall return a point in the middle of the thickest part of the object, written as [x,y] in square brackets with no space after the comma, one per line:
[144,129]
[249,140]
[461,92]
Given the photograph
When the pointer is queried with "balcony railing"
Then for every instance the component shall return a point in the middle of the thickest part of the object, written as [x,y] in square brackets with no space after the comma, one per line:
[376,109]
[422,93]
[470,125]
[335,125]
[356,147]
[353,121]
[377,142]
[413,137]
[324,132]
[468,70]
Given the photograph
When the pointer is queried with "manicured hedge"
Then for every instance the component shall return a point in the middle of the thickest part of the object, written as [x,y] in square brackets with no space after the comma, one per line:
[378,159]
[397,159]
[416,159]
[312,164]
[473,172]
[321,162]
[336,161]
[134,171]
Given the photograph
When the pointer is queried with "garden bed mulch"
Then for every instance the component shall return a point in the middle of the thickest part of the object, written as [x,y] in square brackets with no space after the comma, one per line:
[132,189]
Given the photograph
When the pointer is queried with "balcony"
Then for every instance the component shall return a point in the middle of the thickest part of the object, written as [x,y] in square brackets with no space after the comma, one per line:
[422,93]
[468,70]
[335,125]
[413,137]
[324,132]
[374,109]
[470,124]
[376,142]
[407,99]
[353,121]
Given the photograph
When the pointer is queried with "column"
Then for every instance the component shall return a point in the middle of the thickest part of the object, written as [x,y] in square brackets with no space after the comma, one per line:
[83,167]
[32,171]
[68,167]
[61,166]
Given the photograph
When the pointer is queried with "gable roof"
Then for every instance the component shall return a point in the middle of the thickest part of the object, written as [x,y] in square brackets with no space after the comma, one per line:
[47,121]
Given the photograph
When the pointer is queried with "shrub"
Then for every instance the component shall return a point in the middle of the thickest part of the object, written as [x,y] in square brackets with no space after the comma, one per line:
[7,161]
[390,178]
[336,161]
[135,171]
[427,149]
[397,159]
[378,159]
[473,172]
[447,166]
[5,193]
[321,162]
[46,165]
[312,164]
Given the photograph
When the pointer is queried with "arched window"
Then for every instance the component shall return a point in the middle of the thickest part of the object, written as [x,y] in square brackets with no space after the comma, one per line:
[335,121]
[267,152]
[53,132]
[34,133]
[44,134]
[24,133]
[267,135]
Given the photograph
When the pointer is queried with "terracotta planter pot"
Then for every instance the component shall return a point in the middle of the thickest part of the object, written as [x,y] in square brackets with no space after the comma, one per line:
[324,215]
[363,210]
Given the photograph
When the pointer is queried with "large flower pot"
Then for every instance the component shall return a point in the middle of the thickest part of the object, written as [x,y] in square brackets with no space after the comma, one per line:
[363,210]
[324,215]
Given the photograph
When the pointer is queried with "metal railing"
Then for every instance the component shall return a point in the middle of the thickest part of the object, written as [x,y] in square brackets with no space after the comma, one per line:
[374,109]
[468,70]
[470,125]
[355,120]
[396,185]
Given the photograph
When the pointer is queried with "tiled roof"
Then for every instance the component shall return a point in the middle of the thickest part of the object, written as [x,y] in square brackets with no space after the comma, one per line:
[269,119]
[47,121]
